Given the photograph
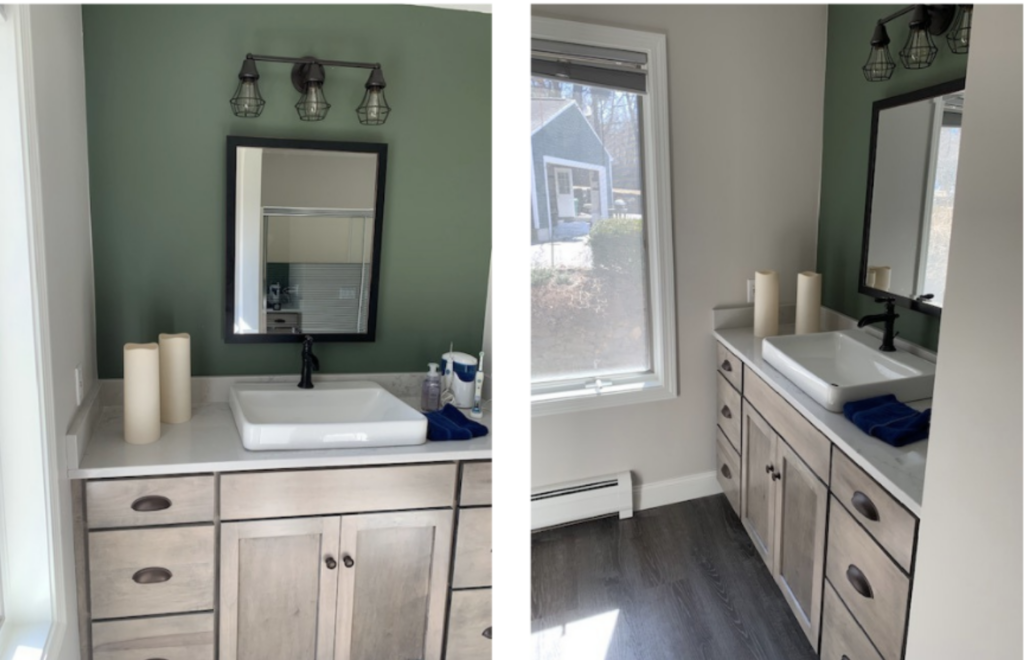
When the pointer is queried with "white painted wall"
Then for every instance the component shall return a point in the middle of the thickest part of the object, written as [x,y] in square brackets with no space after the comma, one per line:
[967,589]
[58,61]
[319,179]
[746,141]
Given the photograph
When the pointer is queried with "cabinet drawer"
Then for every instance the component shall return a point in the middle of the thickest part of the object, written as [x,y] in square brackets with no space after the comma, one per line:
[137,572]
[841,637]
[137,502]
[294,493]
[729,471]
[186,637]
[476,484]
[873,587]
[874,508]
[730,367]
[729,411]
[807,441]
[473,549]
[469,626]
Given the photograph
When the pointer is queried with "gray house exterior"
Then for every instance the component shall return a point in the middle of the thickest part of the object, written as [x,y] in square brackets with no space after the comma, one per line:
[571,169]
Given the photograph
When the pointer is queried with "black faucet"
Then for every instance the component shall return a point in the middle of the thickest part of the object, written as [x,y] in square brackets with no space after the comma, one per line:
[309,363]
[889,317]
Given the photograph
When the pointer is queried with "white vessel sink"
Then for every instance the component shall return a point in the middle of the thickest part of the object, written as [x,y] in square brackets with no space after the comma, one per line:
[836,367]
[329,416]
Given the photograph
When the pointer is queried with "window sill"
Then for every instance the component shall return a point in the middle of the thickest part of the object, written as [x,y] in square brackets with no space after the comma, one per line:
[572,402]
[26,640]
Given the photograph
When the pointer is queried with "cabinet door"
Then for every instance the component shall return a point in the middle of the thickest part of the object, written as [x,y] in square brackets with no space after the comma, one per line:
[278,589]
[801,503]
[757,500]
[393,585]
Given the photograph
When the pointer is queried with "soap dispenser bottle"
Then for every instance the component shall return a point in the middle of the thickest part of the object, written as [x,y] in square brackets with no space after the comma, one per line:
[430,398]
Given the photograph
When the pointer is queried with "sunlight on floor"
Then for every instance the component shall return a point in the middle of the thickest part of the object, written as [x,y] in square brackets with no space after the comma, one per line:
[586,639]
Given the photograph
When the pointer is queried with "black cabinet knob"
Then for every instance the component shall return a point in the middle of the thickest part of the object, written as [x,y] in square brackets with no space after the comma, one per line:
[726,412]
[776,476]
[768,469]
[331,564]
[726,472]
[348,561]
[726,365]
[487,632]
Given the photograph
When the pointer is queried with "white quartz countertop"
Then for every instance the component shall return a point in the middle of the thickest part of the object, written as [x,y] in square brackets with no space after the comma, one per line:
[209,442]
[899,469]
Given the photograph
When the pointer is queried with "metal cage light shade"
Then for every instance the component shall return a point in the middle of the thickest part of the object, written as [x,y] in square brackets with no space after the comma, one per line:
[313,105]
[959,36]
[374,109]
[880,64]
[919,52]
[247,101]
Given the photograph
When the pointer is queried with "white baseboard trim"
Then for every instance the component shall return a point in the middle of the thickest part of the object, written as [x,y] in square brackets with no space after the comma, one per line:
[680,489]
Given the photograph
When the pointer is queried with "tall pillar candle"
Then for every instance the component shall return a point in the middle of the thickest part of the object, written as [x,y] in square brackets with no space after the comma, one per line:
[141,393]
[883,276]
[175,378]
[808,302]
[766,303]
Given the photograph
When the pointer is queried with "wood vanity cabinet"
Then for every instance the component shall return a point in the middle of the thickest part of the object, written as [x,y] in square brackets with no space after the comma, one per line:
[784,509]
[326,564]
[794,486]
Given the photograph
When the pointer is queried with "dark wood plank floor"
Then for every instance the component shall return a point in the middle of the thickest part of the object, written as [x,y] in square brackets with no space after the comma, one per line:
[684,579]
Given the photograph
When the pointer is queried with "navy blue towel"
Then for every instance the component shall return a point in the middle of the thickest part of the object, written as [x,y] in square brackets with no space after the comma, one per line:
[450,424]
[885,418]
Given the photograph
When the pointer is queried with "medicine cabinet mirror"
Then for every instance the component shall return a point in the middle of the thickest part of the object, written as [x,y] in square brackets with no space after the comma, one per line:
[303,239]
[915,146]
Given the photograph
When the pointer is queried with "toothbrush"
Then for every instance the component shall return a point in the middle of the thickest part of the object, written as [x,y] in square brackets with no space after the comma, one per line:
[476,413]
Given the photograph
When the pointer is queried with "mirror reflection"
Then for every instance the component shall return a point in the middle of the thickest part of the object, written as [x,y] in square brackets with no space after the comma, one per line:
[913,187]
[306,251]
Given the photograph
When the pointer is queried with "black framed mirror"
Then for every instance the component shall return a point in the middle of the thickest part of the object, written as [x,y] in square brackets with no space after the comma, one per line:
[908,218]
[304,227]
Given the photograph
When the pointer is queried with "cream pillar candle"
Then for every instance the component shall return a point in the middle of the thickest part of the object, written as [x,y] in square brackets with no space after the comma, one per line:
[766,303]
[141,393]
[175,378]
[808,302]
[869,279]
[883,276]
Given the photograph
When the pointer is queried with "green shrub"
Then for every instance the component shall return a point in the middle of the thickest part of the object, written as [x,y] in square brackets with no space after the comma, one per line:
[617,244]
[541,276]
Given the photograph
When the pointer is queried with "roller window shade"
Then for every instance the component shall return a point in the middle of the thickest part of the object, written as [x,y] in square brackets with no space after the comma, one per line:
[590,65]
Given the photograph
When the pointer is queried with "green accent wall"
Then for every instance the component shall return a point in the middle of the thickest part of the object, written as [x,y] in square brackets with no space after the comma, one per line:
[844,166]
[158,80]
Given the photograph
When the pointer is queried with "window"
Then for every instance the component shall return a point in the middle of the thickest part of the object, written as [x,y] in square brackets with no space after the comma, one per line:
[602,295]
[939,213]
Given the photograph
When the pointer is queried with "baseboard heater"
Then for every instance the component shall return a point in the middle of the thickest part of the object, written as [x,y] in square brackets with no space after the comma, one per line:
[585,499]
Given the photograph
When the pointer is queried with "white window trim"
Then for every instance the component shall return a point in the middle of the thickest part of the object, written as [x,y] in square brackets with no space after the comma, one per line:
[567,396]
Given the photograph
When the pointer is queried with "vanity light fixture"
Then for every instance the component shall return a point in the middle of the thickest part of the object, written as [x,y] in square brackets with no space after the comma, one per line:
[920,50]
[959,37]
[308,78]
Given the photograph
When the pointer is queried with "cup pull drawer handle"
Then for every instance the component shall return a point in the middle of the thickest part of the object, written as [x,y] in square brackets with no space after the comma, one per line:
[865,506]
[726,472]
[151,503]
[151,575]
[726,365]
[487,632]
[859,581]
[726,412]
